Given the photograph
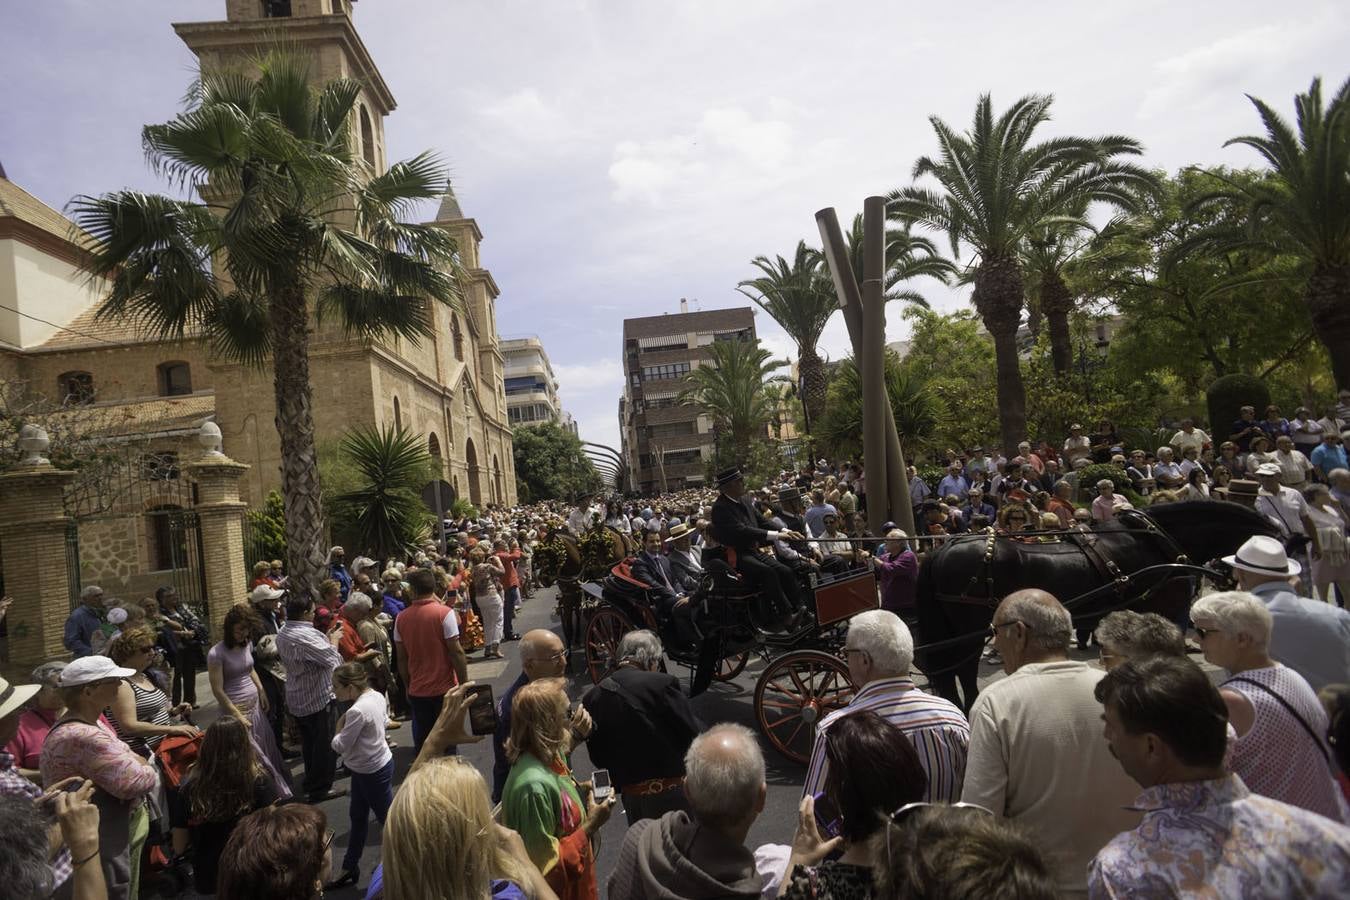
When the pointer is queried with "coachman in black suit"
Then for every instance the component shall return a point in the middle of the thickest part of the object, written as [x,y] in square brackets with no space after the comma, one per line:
[735,524]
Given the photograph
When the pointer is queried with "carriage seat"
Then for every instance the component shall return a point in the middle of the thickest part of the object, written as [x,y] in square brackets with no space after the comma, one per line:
[623,581]
[725,580]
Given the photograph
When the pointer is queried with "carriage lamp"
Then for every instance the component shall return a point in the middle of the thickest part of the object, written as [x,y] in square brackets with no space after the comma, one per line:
[33,441]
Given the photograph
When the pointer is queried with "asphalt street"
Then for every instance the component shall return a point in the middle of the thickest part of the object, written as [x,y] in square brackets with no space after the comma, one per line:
[729,702]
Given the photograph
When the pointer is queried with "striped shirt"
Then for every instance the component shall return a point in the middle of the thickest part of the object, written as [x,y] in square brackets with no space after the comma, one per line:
[937,729]
[309,659]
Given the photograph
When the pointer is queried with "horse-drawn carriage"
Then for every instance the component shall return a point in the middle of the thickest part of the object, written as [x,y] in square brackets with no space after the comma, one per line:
[805,676]
[1146,561]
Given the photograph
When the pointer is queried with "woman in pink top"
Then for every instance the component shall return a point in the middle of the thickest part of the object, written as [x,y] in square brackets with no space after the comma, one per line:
[81,745]
[1106,504]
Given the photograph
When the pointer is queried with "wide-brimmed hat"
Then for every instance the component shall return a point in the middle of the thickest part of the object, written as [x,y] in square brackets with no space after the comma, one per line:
[789,495]
[679,531]
[89,669]
[14,696]
[726,476]
[1264,556]
[263,593]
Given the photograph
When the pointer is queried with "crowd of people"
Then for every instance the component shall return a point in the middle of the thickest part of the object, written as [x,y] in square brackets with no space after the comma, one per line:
[1035,791]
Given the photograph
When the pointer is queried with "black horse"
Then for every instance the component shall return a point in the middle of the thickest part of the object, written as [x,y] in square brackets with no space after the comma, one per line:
[962,582]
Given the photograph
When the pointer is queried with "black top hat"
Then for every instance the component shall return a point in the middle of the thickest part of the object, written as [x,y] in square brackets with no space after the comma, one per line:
[726,476]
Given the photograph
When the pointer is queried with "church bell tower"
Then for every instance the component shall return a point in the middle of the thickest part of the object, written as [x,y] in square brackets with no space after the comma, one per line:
[324,29]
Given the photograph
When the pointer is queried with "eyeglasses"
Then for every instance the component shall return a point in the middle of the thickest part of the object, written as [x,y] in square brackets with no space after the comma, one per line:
[328,839]
[995,626]
[1203,632]
[900,815]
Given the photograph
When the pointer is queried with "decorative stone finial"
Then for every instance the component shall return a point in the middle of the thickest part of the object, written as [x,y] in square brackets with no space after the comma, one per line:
[33,441]
[208,436]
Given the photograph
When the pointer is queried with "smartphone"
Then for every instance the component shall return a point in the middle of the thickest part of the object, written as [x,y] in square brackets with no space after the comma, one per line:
[827,815]
[600,781]
[482,711]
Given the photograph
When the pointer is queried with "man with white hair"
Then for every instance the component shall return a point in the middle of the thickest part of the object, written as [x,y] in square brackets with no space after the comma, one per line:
[880,650]
[1037,754]
[702,852]
[84,622]
[642,724]
[1167,471]
[1308,636]
[898,570]
[1280,750]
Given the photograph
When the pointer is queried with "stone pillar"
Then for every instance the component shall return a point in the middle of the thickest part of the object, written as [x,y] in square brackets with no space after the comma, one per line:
[33,524]
[221,514]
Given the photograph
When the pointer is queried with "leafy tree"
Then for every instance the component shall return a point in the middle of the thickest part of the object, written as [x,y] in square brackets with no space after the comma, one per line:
[954,359]
[1045,255]
[995,188]
[800,299]
[918,410]
[733,389]
[1303,208]
[1190,307]
[550,464]
[1093,388]
[267,527]
[292,223]
[384,510]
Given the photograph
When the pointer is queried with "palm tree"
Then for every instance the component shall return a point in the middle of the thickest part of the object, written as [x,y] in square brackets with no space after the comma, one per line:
[995,188]
[1046,253]
[292,224]
[917,410]
[385,509]
[800,299]
[908,256]
[736,389]
[1303,208]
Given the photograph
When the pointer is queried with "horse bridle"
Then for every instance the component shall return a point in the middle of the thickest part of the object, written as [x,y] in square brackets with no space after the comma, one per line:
[1152,527]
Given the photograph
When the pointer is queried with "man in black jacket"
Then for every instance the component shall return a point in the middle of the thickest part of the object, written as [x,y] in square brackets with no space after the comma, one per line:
[642,724]
[735,524]
[672,604]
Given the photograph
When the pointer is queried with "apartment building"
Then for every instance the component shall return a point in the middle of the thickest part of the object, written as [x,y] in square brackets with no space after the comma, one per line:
[531,387]
[665,444]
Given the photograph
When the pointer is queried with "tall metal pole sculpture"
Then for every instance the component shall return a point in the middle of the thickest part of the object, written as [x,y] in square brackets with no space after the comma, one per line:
[896,495]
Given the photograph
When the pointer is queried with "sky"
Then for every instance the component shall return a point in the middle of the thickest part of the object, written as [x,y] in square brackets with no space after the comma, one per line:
[620,155]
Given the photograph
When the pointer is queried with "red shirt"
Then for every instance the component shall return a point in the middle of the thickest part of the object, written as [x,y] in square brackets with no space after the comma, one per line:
[350,644]
[510,579]
[422,629]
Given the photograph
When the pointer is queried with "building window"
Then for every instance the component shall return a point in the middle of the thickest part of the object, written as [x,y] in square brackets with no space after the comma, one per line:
[160,466]
[75,387]
[672,370]
[682,457]
[276,9]
[458,337]
[398,415]
[367,138]
[434,445]
[175,379]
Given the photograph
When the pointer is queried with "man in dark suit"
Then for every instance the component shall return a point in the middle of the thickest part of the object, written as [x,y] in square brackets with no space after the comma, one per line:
[672,604]
[735,524]
[642,727]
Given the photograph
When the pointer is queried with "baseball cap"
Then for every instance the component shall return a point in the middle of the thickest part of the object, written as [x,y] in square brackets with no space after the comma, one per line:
[264,592]
[1268,469]
[89,669]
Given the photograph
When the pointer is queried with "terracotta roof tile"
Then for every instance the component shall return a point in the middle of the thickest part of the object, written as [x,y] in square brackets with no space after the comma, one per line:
[86,331]
[149,415]
[17,203]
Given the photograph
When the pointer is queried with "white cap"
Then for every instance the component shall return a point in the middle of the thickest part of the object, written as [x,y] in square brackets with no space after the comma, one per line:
[265,592]
[1264,556]
[89,669]
[1268,469]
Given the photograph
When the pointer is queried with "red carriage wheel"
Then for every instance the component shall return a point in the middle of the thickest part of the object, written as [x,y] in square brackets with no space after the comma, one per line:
[795,692]
[607,625]
[731,666]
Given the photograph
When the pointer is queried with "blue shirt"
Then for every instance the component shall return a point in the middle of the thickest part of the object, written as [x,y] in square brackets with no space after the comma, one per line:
[392,605]
[952,484]
[1308,636]
[338,572]
[815,517]
[80,627]
[1325,458]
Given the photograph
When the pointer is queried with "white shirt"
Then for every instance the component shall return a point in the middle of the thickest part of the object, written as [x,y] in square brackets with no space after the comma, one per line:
[1038,758]
[361,742]
[1294,467]
[836,548]
[1285,509]
[1181,440]
[1075,447]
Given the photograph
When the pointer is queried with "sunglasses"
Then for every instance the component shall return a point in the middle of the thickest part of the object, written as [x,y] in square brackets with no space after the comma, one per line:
[907,811]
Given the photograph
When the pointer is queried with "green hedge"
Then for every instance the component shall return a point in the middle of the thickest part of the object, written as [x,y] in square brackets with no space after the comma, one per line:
[1226,397]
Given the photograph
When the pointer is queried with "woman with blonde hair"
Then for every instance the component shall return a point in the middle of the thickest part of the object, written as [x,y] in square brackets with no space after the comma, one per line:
[487,573]
[440,841]
[542,801]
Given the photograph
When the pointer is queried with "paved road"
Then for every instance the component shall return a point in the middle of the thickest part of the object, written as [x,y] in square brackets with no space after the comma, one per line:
[732,702]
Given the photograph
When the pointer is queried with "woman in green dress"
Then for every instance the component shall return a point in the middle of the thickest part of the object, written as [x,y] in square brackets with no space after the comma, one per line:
[554,815]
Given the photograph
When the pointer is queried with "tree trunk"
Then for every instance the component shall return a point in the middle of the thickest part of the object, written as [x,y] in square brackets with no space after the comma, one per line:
[1056,302]
[300,489]
[814,384]
[1328,297]
[998,299]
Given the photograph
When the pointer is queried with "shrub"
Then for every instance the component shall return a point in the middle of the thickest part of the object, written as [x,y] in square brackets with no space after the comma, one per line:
[1227,395]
